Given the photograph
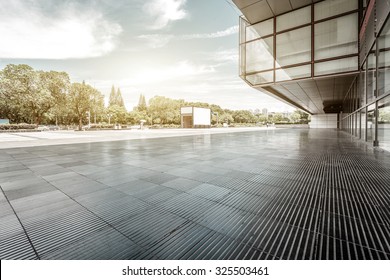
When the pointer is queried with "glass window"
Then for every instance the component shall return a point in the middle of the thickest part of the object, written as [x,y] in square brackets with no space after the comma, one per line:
[384,60]
[371,123]
[259,55]
[331,8]
[261,78]
[336,37]
[336,66]
[293,47]
[384,123]
[363,124]
[371,61]
[293,19]
[358,125]
[260,29]
[362,86]
[242,60]
[293,73]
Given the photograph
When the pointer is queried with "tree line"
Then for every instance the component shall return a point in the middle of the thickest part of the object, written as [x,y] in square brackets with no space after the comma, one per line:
[40,97]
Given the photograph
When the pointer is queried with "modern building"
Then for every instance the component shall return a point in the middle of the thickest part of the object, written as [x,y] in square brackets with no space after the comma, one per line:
[329,58]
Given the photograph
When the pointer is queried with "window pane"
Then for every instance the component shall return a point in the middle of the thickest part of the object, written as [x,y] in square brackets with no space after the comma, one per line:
[293,47]
[384,60]
[364,123]
[243,25]
[330,8]
[362,85]
[259,55]
[371,60]
[293,73]
[336,66]
[358,125]
[336,37]
[384,123]
[242,60]
[260,29]
[261,78]
[370,122]
[292,19]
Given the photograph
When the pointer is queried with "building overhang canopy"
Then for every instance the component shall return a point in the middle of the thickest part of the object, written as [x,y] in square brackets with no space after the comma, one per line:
[255,10]
[315,96]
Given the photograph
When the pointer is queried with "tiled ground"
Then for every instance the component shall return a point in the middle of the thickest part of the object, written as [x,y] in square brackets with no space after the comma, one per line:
[280,194]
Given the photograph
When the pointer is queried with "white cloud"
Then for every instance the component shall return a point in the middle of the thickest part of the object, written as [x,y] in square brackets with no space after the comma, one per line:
[160,40]
[165,11]
[27,31]
[228,31]
[181,70]
[230,55]
[156,40]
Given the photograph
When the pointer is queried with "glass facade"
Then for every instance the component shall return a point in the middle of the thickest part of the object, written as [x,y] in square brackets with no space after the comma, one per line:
[333,37]
[259,55]
[323,34]
[384,122]
[331,8]
[366,108]
[327,39]
[293,47]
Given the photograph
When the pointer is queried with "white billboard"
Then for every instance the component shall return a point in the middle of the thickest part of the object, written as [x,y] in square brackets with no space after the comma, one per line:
[202,116]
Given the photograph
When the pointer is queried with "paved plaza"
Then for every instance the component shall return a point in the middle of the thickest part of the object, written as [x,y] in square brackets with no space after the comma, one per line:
[236,194]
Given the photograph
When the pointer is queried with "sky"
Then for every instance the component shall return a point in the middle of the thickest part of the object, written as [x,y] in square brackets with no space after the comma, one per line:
[181,49]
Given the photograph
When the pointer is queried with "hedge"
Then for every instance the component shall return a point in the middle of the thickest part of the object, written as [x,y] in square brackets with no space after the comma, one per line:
[19,126]
[94,126]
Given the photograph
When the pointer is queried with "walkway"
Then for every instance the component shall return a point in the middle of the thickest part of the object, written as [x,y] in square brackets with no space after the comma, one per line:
[276,194]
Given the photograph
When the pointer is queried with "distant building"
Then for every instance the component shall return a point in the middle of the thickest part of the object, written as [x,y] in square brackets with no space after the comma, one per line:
[195,117]
[265,112]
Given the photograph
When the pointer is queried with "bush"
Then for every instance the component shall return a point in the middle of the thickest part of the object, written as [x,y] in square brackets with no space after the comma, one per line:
[102,126]
[157,126]
[19,126]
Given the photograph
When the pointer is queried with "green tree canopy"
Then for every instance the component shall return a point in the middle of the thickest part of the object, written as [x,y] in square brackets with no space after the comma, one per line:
[116,98]
[141,103]
[81,98]
[27,95]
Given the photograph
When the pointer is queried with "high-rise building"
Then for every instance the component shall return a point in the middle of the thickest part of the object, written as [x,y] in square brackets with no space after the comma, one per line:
[329,58]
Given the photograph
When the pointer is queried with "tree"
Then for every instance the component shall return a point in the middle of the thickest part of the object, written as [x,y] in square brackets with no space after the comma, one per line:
[119,99]
[80,100]
[28,95]
[97,104]
[58,84]
[226,118]
[118,114]
[141,103]
[17,83]
[165,109]
[116,98]
[112,100]
[243,116]
[295,117]
[277,118]
[136,116]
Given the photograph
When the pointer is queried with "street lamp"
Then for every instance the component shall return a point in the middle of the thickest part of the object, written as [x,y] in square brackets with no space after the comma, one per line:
[109,118]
